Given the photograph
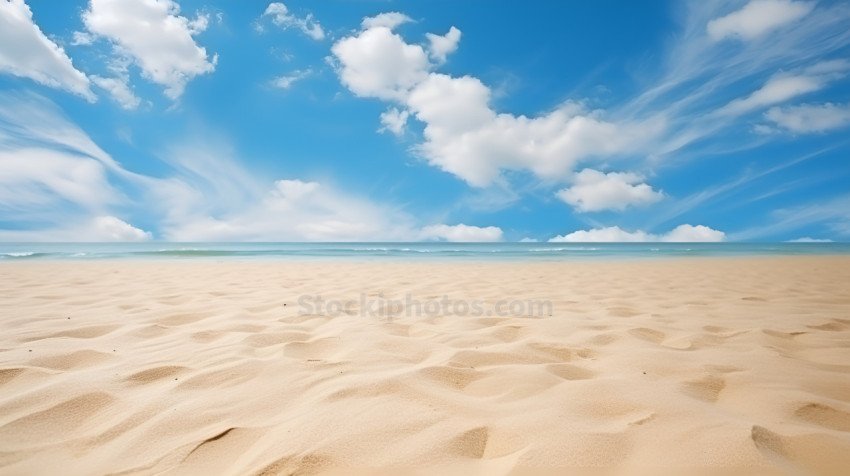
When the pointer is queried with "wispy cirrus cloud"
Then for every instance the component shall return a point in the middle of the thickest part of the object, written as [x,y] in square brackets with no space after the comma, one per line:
[833,212]
[691,101]
[757,18]
[154,36]
[58,184]
[286,81]
[34,55]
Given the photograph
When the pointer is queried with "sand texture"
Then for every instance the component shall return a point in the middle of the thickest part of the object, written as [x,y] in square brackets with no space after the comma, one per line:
[688,366]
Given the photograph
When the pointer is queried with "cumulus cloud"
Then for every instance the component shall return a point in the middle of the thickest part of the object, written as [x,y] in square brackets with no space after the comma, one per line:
[379,63]
[440,47]
[110,228]
[694,97]
[594,191]
[806,118]
[394,120]
[461,233]
[26,52]
[280,16]
[466,137]
[387,20]
[155,36]
[680,234]
[690,233]
[463,134]
[62,186]
[757,18]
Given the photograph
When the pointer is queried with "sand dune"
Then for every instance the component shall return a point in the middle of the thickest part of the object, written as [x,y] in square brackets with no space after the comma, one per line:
[691,366]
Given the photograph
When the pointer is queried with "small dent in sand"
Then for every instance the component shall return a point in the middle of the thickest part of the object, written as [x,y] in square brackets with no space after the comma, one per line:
[471,443]
[707,388]
[767,441]
[570,372]
[154,374]
[824,416]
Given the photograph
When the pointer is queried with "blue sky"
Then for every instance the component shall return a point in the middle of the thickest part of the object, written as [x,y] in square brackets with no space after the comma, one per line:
[213,120]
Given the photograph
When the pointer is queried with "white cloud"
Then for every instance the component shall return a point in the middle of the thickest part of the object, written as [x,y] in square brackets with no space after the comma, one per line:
[387,20]
[98,229]
[528,240]
[807,239]
[27,119]
[777,90]
[690,233]
[691,100]
[757,18]
[394,121]
[281,17]
[698,73]
[53,175]
[682,233]
[154,34]
[34,177]
[378,63]
[286,81]
[441,46]
[119,89]
[118,84]
[463,134]
[212,197]
[200,23]
[26,52]
[810,117]
[81,38]
[292,210]
[608,234]
[110,228]
[595,191]
[461,233]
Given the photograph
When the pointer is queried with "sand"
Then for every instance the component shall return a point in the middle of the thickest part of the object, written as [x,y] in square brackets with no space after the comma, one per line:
[680,366]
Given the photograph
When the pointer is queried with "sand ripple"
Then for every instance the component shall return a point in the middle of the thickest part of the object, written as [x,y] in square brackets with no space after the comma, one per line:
[701,366]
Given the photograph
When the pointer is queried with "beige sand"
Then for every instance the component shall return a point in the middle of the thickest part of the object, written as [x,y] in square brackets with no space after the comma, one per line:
[654,367]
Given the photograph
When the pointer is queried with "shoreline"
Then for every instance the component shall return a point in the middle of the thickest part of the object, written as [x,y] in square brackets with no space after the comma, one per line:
[412,252]
[436,260]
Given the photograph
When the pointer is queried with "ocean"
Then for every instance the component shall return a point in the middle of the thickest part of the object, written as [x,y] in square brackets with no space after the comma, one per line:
[417,251]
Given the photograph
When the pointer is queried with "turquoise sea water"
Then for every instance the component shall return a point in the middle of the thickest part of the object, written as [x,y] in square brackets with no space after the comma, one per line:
[418,251]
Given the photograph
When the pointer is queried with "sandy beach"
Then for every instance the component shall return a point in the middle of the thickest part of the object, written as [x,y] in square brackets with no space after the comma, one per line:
[670,366]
